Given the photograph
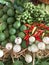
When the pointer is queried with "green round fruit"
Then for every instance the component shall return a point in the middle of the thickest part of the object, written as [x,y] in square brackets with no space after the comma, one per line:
[3,26]
[23,27]
[10,20]
[17,24]
[2,36]
[12,38]
[6,32]
[12,31]
[10,12]
[1,13]
[23,44]
[4,43]
[4,18]
[21,34]
[5,8]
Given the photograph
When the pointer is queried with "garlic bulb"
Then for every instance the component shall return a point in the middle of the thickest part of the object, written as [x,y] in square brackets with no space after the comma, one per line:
[28,58]
[34,48]
[41,46]
[32,39]
[9,46]
[17,48]
[1,53]
[18,40]
[46,40]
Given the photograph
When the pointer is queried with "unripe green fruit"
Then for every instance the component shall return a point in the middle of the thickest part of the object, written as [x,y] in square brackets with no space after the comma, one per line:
[4,43]
[1,13]
[10,12]
[3,26]
[17,24]
[21,34]
[12,31]
[12,38]
[5,8]
[6,32]
[10,20]
[23,27]
[2,36]
[4,18]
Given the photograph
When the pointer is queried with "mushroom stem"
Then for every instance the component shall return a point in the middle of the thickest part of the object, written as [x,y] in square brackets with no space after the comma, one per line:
[33,59]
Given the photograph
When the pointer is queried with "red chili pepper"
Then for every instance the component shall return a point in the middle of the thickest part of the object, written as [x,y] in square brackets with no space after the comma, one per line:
[43,26]
[27,43]
[28,25]
[46,27]
[38,38]
[31,28]
[26,31]
[39,32]
[26,37]
[40,25]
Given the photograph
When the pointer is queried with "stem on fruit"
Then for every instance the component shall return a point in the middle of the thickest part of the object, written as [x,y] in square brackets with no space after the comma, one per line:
[33,59]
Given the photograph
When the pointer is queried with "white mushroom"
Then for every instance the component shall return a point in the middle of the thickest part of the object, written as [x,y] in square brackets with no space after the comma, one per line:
[46,40]
[18,40]
[34,48]
[17,48]
[32,39]
[9,46]
[41,46]
[28,58]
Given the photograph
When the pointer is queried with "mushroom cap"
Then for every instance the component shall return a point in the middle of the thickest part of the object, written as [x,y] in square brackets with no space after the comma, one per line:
[9,46]
[32,39]
[18,40]
[46,40]
[41,46]
[17,48]
[28,58]
[34,48]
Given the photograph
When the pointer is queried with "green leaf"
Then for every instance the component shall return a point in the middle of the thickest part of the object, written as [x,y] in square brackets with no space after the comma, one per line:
[1,63]
[45,63]
[17,63]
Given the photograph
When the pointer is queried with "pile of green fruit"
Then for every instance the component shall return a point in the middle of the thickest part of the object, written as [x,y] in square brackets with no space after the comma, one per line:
[9,26]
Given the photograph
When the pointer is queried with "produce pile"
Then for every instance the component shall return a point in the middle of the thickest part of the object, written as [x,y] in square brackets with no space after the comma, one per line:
[24,33]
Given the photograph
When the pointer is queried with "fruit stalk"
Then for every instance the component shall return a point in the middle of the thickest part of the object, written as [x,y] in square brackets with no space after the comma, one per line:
[33,59]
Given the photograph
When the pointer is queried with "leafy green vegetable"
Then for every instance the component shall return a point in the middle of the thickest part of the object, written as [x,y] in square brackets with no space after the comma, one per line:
[1,63]
[17,63]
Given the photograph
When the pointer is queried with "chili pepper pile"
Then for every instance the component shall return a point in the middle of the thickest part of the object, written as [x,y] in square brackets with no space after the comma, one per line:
[36,30]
